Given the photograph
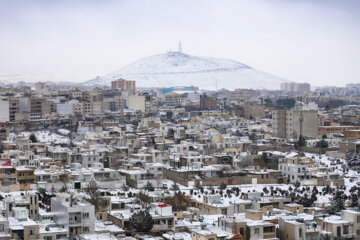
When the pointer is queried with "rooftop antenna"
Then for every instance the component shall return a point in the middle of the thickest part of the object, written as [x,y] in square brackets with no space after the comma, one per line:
[180,48]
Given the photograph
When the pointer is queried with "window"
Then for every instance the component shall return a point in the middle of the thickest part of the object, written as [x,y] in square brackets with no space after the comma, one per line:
[346,229]
[31,231]
[85,229]
[268,229]
[105,203]
[224,211]
[257,230]
[300,232]
[170,222]
[1,227]
[48,238]
[85,215]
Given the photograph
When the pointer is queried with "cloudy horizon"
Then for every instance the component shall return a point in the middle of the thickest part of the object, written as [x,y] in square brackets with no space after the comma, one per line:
[302,41]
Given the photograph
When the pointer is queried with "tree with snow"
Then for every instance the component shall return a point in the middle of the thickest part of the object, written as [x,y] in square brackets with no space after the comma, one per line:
[301,141]
[141,221]
[337,202]
[179,202]
[33,138]
[175,187]
[354,196]
[265,190]
[197,186]
[149,186]
[222,186]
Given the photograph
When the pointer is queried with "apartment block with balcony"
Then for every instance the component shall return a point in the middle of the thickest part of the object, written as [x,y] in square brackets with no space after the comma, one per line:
[77,215]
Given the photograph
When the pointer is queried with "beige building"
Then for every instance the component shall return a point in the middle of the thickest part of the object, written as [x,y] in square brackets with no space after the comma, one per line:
[294,208]
[254,111]
[323,130]
[14,108]
[336,226]
[292,230]
[353,217]
[295,87]
[136,102]
[286,123]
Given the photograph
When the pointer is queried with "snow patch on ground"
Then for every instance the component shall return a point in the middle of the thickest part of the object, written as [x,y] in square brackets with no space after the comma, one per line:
[43,137]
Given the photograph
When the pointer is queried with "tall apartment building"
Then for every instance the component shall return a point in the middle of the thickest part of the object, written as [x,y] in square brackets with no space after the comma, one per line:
[4,110]
[207,103]
[240,94]
[14,108]
[295,87]
[286,123]
[124,85]
[28,107]
[48,107]
[114,103]
[254,111]
[39,86]
[36,104]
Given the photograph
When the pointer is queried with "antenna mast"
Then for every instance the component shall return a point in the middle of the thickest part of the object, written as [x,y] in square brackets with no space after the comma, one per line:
[180,48]
[301,119]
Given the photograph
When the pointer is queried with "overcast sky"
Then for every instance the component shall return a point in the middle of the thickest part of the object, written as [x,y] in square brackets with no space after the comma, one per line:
[316,41]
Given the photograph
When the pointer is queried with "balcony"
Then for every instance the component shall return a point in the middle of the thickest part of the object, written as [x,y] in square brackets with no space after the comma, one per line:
[75,218]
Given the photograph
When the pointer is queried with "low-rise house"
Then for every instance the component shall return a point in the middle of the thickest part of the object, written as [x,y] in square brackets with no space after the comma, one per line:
[7,173]
[21,227]
[337,226]
[161,213]
[52,231]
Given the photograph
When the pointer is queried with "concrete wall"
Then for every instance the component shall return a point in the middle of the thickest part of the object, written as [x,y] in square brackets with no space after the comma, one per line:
[136,103]
[4,110]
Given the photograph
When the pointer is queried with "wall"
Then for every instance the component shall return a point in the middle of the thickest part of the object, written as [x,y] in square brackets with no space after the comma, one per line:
[136,103]
[4,110]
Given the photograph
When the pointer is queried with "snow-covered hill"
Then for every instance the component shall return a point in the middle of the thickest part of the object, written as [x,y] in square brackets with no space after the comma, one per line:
[180,69]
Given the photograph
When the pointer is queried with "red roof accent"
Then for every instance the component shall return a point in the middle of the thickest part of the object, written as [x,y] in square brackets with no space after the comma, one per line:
[6,164]
[164,205]
[237,236]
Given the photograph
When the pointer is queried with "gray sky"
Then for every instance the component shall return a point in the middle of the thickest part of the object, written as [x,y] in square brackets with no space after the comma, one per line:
[305,41]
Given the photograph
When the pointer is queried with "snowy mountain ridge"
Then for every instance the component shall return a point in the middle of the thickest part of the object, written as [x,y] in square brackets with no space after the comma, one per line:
[174,68]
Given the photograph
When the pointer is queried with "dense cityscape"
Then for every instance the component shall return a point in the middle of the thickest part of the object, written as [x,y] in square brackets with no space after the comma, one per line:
[125,162]
[179,120]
